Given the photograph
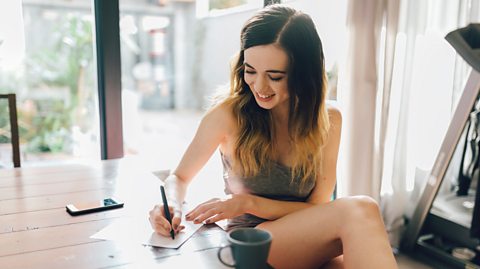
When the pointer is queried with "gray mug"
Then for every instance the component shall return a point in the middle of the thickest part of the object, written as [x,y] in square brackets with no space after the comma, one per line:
[249,248]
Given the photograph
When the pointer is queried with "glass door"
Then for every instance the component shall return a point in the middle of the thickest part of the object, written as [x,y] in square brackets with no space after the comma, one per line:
[46,59]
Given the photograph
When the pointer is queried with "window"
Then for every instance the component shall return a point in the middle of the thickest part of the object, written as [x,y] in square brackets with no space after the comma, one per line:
[47,59]
[224,4]
[221,7]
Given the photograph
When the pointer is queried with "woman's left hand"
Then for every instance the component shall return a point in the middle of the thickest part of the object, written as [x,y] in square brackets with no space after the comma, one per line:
[218,209]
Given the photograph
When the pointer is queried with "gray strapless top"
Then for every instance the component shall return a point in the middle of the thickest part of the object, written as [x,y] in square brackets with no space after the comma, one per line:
[274,183]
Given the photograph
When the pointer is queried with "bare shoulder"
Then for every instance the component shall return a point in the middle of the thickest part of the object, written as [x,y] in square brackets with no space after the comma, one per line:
[220,117]
[334,114]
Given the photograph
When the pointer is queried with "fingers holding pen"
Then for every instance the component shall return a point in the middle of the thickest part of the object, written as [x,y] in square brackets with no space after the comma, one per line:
[176,221]
[161,225]
[158,221]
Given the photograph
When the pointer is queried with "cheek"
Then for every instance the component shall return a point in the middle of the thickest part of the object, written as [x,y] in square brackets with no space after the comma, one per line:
[248,80]
[281,88]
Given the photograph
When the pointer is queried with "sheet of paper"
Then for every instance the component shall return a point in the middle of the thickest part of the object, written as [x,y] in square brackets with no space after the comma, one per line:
[222,224]
[139,231]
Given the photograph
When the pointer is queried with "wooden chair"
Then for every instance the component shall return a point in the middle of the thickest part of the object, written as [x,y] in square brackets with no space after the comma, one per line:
[12,109]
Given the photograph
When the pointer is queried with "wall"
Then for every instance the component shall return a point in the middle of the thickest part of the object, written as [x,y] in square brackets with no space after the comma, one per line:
[217,40]
[205,46]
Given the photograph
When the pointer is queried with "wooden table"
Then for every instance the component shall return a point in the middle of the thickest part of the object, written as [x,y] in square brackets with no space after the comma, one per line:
[37,232]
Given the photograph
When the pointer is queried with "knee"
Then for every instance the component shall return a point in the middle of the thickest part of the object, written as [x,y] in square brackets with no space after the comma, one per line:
[361,208]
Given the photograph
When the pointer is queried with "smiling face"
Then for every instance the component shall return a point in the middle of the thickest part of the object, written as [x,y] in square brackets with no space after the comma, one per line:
[266,75]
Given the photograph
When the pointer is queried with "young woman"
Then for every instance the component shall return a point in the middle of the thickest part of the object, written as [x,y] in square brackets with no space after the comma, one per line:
[279,144]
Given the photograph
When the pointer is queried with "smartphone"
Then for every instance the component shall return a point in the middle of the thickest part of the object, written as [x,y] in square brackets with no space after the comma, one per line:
[93,206]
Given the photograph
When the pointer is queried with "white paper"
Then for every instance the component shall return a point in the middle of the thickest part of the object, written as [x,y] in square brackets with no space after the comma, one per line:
[222,224]
[139,231]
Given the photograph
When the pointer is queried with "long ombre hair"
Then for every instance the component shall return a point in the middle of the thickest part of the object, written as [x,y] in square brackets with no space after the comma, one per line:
[308,122]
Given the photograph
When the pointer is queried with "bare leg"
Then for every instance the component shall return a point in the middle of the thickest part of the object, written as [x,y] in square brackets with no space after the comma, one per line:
[312,237]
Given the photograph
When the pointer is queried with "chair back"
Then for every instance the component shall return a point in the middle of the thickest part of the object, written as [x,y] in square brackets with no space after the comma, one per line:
[15,139]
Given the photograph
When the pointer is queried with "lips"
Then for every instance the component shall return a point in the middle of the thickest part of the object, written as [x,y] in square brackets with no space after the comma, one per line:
[265,97]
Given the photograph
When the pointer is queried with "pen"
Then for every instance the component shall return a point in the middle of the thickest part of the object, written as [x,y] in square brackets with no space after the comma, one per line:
[167,211]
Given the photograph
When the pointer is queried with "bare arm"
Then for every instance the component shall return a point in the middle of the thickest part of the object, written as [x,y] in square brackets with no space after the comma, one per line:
[213,129]
[325,184]
[210,133]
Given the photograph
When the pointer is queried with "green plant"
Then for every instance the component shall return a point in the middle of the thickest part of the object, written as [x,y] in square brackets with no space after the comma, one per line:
[58,68]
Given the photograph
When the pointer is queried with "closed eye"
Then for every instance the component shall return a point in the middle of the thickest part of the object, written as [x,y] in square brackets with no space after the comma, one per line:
[276,78]
[250,72]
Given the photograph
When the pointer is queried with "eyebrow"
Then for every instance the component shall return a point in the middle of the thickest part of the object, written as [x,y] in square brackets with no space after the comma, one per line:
[268,71]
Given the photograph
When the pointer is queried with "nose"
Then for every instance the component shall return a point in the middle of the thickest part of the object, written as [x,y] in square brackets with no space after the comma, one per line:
[259,84]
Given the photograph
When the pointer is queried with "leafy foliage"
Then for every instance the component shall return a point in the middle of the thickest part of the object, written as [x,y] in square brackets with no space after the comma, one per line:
[59,81]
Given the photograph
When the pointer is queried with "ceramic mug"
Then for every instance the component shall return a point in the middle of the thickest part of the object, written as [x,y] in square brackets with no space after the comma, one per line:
[249,246]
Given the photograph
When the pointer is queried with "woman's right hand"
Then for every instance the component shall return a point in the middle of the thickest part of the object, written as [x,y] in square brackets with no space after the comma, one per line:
[159,221]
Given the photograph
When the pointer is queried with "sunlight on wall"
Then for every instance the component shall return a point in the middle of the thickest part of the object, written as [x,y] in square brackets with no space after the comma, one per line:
[394,115]
[428,110]
[430,101]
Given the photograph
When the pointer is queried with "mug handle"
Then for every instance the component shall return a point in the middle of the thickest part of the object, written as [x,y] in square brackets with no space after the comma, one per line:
[219,255]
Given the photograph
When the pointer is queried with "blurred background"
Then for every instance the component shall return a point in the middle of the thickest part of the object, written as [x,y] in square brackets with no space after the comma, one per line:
[175,55]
